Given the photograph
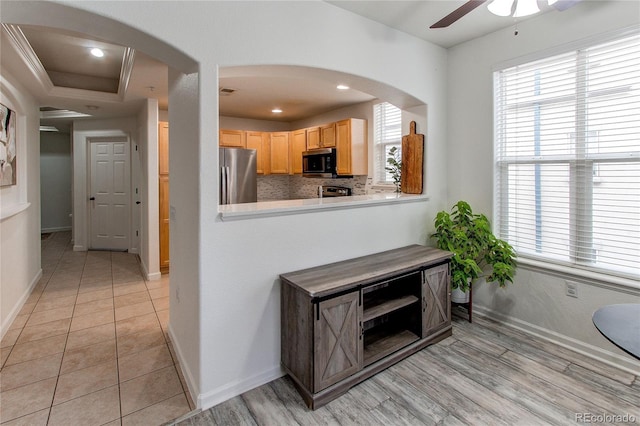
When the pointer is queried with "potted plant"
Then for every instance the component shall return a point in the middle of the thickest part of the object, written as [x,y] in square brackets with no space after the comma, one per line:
[468,236]
[394,166]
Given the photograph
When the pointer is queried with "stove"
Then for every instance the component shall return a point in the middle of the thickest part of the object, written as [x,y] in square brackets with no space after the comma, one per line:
[334,191]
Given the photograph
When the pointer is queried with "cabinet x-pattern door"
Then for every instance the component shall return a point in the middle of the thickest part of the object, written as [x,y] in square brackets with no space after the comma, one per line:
[436,299]
[337,339]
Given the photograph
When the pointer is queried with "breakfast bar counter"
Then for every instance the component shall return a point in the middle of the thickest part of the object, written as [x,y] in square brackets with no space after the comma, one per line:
[286,207]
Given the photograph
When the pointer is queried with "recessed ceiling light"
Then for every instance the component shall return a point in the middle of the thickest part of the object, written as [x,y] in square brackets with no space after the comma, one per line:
[342,87]
[98,53]
[276,110]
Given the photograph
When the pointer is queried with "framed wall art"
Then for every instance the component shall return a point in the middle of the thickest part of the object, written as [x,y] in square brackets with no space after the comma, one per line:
[7,146]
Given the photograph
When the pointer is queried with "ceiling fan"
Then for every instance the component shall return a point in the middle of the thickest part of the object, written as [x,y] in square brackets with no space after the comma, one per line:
[516,8]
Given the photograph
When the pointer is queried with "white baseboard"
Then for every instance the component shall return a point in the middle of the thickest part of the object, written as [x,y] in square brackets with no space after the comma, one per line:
[18,306]
[79,248]
[238,387]
[56,229]
[575,345]
[186,372]
[153,277]
[226,392]
[149,276]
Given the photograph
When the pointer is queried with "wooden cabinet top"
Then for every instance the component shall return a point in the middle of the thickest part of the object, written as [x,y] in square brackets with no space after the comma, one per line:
[337,277]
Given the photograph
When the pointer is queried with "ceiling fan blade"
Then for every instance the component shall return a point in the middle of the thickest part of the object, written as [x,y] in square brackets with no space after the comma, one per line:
[458,13]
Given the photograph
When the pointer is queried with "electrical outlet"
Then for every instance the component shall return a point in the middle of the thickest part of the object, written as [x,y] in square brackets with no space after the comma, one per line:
[571,289]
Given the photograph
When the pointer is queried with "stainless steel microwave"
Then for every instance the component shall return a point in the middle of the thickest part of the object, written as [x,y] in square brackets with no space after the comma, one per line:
[319,163]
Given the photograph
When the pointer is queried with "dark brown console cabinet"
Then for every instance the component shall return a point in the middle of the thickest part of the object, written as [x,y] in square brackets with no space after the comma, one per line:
[346,321]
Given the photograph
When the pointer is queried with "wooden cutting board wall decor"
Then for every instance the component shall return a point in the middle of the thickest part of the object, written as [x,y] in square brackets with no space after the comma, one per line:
[412,161]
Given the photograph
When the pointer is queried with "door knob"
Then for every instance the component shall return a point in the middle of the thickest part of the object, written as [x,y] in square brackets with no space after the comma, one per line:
[92,199]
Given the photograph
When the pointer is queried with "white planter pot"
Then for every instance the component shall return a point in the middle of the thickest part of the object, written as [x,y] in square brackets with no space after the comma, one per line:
[459,296]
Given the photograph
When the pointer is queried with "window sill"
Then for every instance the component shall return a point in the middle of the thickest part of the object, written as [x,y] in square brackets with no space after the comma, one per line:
[260,209]
[599,279]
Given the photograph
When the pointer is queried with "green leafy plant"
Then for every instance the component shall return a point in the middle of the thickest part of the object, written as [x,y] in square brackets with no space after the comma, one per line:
[394,166]
[468,236]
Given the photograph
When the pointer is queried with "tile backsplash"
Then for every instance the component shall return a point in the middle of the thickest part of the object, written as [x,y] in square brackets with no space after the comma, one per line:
[291,187]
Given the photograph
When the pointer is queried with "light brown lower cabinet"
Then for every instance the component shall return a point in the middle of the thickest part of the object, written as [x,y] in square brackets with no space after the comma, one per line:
[344,322]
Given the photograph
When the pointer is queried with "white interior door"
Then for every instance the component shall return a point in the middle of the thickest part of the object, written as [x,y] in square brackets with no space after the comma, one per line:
[109,194]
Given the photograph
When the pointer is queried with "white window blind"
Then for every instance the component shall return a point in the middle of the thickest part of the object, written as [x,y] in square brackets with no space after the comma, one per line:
[387,133]
[567,180]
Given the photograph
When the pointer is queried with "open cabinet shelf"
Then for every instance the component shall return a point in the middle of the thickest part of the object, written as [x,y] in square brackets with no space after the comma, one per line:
[382,307]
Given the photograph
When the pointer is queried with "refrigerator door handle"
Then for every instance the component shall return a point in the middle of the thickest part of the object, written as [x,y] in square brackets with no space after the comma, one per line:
[223,185]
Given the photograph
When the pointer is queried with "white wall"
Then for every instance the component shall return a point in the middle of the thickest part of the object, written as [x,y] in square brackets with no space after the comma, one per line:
[536,301]
[55,181]
[20,232]
[149,226]
[83,131]
[253,125]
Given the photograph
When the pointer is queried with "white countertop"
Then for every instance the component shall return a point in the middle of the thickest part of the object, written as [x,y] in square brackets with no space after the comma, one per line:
[285,207]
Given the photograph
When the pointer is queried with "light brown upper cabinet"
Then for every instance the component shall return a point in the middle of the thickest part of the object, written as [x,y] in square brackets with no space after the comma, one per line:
[313,138]
[260,142]
[232,138]
[279,153]
[298,144]
[163,148]
[351,147]
[328,136]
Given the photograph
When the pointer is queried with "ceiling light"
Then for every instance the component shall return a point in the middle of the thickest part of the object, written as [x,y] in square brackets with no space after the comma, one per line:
[49,129]
[276,110]
[98,53]
[515,8]
[342,87]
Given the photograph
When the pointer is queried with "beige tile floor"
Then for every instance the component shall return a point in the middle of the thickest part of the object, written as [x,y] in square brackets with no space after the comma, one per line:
[90,346]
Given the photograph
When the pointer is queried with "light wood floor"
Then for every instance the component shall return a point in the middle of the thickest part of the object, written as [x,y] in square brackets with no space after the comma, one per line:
[485,374]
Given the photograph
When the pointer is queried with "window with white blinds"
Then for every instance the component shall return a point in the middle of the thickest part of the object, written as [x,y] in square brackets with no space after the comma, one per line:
[387,133]
[567,135]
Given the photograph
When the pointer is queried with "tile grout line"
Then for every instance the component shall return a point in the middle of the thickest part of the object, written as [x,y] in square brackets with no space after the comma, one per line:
[66,340]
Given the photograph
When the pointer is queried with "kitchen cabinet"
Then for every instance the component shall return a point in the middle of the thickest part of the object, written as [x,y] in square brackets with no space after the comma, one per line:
[260,142]
[321,137]
[232,138]
[163,187]
[298,144]
[436,302]
[279,152]
[336,337]
[313,138]
[328,136]
[351,147]
[344,322]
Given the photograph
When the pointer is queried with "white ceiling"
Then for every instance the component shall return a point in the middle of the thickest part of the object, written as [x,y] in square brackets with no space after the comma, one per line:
[299,92]
[415,18]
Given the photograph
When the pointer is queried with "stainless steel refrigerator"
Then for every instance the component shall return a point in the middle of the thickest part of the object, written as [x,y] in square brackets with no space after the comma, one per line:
[238,179]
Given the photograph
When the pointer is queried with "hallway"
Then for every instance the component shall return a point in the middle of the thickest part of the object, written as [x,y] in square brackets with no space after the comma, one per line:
[90,346]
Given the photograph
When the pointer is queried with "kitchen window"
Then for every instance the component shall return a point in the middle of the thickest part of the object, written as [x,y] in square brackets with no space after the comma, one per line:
[387,133]
[567,150]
